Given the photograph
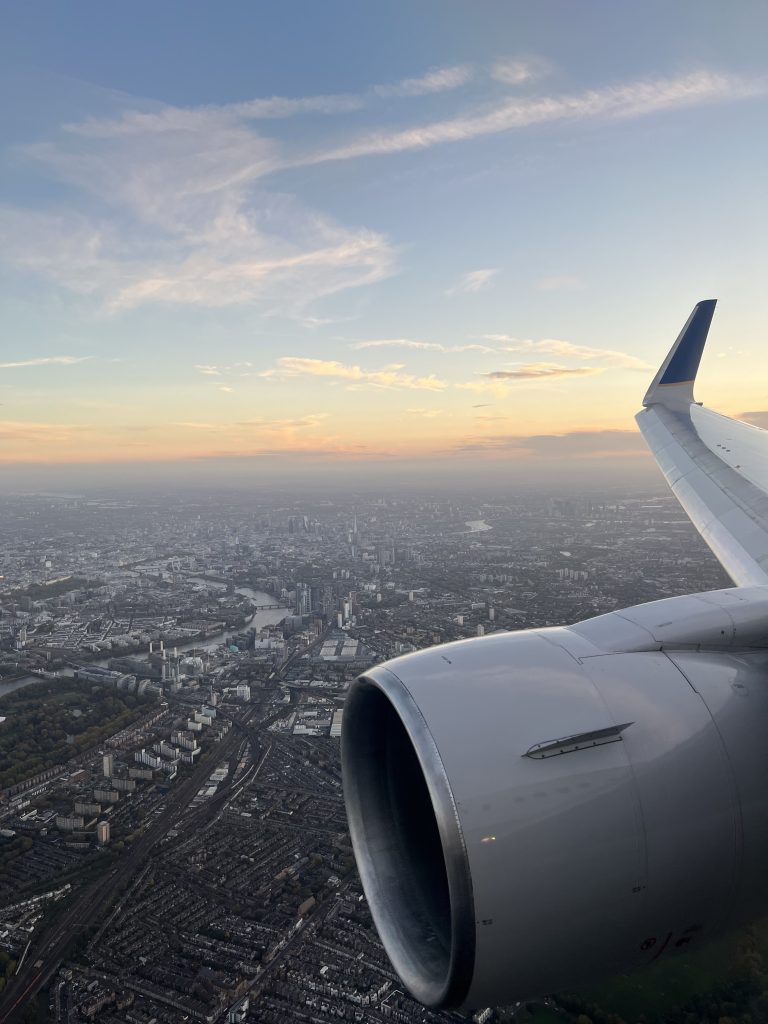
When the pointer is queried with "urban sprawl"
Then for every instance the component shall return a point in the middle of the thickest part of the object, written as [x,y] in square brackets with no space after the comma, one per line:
[173,844]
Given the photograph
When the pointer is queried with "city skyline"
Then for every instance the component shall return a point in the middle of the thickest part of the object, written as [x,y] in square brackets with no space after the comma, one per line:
[353,236]
[173,842]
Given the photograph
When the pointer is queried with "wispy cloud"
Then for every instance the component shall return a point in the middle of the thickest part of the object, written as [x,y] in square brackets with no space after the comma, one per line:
[179,222]
[516,71]
[388,377]
[197,425]
[167,118]
[553,346]
[427,346]
[306,434]
[435,80]
[176,216]
[543,371]
[425,414]
[499,382]
[227,278]
[56,433]
[242,368]
[310,421]
[474,280]
[194,119]
[44,361]
[619,102]
[313,322]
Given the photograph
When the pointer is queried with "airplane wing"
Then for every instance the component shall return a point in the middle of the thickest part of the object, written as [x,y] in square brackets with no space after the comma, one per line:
[717,467]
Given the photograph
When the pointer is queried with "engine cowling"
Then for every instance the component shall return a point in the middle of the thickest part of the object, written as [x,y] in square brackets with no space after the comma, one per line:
[530,811]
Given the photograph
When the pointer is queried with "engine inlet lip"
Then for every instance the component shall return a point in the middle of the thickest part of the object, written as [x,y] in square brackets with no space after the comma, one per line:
[449,992]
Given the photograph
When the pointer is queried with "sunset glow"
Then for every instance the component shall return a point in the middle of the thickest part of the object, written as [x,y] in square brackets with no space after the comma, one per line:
[478,245]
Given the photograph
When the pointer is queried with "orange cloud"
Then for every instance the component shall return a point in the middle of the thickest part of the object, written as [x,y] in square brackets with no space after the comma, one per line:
[389,377]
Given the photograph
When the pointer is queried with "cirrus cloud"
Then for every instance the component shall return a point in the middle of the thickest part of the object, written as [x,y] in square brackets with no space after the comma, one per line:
[474,281]
[176,216]
[554,346]
[388,377]
[168,118]
[516,71]
[543,371]
[435,80]
[425,414]
[611,103]
[426,346]
[44,361]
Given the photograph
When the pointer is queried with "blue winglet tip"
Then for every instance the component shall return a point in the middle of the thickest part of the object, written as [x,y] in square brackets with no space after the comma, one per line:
[684,364]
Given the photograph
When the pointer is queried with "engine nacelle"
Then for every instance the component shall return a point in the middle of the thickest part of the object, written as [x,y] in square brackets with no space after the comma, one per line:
[530,811]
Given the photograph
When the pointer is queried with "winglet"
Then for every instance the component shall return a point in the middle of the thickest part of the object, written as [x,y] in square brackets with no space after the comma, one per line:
[673,384]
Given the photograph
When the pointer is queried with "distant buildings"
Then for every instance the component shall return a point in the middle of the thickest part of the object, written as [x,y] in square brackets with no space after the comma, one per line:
[254,887]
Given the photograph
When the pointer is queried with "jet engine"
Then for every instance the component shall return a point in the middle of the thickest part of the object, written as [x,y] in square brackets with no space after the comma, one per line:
[530,811]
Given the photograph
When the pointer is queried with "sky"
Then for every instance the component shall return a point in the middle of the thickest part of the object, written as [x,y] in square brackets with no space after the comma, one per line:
[344,234]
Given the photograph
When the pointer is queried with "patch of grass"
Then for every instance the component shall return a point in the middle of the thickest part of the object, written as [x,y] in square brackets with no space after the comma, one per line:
[540,1014]
[656,991]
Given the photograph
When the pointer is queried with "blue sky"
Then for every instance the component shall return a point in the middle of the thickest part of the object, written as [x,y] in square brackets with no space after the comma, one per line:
[368,231]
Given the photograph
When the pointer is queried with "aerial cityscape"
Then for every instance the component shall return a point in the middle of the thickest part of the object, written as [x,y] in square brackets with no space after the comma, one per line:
[173,843]
[329,337]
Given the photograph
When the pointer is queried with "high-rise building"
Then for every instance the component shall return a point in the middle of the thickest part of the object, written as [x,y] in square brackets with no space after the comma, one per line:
[108,765]
[69,822]
[102,833]
[303,599]
[86,808]
[106,796]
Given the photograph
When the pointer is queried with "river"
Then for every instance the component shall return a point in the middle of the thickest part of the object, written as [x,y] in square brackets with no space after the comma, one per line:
[267,617]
